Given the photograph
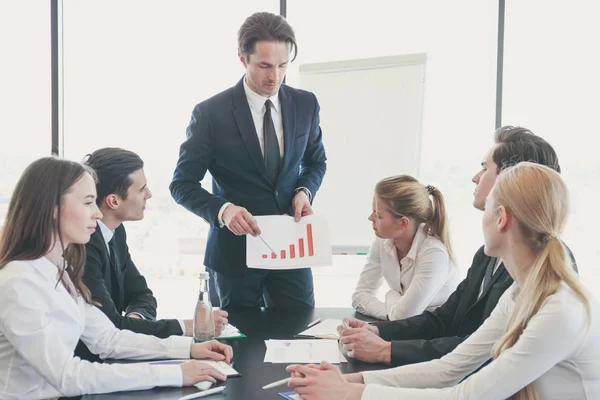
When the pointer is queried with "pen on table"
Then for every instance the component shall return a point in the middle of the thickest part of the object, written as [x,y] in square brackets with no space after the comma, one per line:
[316,321]
[203,393]
[278,383]
[266,244]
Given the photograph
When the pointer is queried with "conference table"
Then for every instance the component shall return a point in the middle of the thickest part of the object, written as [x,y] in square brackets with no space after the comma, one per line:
[249,353]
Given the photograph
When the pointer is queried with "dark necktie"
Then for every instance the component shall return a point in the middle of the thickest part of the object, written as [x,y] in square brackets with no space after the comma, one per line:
[272,156]
[111,249]
[489,272]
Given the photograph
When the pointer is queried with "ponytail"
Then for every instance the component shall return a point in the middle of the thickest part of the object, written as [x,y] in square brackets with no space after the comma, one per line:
[437,223]
[551,267]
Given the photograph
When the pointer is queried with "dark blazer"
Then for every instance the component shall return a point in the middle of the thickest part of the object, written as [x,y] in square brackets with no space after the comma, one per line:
[432,335]
[222,139]
[121,289]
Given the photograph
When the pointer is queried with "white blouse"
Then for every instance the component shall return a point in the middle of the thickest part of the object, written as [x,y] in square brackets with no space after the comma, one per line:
[423,280]
[40,325]
[557,351]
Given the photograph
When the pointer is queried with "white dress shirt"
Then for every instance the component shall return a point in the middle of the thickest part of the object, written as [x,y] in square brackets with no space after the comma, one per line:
[557,351]
[421,281]
[40,324]
[108,234]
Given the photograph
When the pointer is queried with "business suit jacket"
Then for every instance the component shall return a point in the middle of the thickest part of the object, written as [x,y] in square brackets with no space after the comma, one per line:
[434,334]
[222,139]
[121,289]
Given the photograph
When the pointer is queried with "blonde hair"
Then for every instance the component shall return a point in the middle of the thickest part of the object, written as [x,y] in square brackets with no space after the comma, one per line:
[538,199]
[406,196]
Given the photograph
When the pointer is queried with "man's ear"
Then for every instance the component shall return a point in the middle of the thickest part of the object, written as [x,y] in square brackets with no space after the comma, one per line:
[112,201]
[242,58]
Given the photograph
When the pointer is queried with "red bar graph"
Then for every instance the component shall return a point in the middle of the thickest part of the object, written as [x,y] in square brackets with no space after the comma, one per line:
[311,250]
[301,250]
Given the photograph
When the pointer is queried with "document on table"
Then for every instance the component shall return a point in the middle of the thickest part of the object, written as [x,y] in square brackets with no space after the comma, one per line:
[220,366]
[230,332]
[326,329]
[286,244]
[303,351]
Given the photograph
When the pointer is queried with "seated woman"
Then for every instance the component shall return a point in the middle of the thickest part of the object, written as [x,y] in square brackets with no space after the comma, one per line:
[543,336]
[45,308]
[411,252]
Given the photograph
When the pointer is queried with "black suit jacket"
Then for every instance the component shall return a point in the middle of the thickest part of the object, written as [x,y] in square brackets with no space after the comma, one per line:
[222,139]
[121,289]
[432,335]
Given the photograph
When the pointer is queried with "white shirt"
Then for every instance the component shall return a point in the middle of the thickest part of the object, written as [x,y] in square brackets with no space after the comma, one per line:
[40,324]
[556,351]
[423,280]
[108,234]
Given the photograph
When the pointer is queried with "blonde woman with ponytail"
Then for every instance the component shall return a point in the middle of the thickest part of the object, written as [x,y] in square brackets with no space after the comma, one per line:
[543,336]
[411,251]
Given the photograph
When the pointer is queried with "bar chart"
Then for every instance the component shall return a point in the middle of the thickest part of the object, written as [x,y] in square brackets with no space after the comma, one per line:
[301,249]
[286,244]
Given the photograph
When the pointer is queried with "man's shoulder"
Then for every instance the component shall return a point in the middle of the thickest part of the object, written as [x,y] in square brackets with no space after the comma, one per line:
[95,242]
[298,94]
[217,101]
[479,259]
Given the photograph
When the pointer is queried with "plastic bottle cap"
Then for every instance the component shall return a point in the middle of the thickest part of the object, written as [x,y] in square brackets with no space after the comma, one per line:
[204,275]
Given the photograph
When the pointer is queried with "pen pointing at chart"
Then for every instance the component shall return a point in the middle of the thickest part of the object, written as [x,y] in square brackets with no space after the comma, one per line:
[266,244]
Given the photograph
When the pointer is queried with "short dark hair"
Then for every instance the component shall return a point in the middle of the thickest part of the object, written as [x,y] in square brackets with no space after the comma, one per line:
[265,26]
[113,167]
[516,144]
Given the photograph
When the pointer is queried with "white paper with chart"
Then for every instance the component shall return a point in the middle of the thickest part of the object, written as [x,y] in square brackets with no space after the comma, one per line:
[302,244]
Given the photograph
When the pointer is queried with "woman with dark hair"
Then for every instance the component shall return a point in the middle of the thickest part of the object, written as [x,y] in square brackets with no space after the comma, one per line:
[45,307]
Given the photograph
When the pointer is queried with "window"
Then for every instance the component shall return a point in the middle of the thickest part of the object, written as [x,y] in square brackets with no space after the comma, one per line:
[551,87]
[25,99]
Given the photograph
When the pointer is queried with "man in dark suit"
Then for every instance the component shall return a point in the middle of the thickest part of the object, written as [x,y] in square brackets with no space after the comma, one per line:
[110,273]
[431,335]
[261,142]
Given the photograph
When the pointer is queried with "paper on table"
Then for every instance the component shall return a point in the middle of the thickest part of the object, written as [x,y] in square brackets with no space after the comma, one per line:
[220,366]
[230,332]
[302,244]
[303,351]
[326,329]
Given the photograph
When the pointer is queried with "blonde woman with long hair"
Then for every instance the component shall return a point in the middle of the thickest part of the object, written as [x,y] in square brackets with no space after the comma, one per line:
[411,251]
[543,336]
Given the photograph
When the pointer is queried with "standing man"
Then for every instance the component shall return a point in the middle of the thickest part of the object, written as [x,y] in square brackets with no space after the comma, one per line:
[261,142]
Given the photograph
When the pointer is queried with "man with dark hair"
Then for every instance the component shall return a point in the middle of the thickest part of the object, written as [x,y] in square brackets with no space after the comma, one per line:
[431,335]
[261,142]
[110,274]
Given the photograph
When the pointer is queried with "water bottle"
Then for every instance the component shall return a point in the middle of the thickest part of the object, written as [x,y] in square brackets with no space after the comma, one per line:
[204,323]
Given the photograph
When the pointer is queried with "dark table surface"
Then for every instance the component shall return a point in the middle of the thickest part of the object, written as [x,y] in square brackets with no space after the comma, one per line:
[249,353]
